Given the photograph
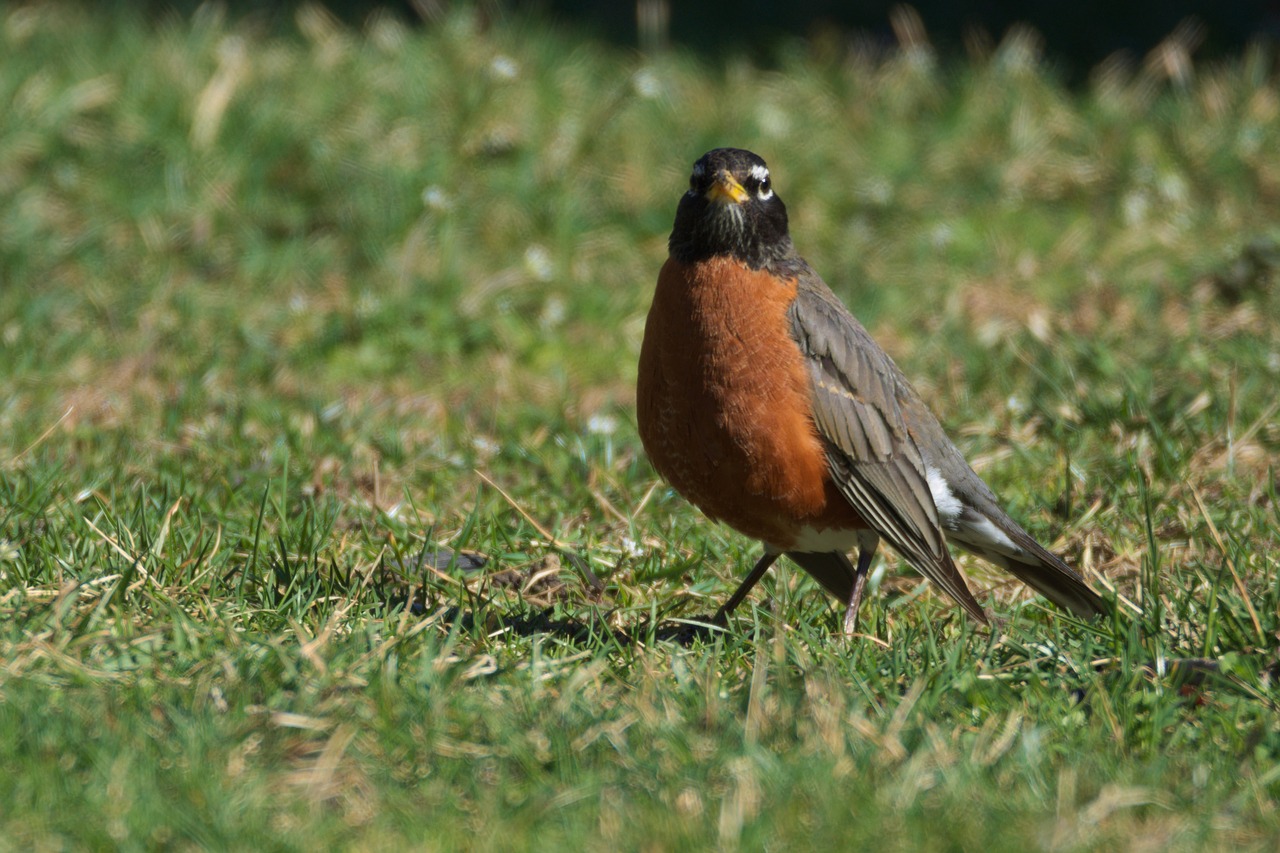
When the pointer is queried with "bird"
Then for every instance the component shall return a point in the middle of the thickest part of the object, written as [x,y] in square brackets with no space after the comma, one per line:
[764,402]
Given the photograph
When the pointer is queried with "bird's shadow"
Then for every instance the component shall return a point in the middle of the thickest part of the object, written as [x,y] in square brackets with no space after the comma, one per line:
[492,618]
[538,589]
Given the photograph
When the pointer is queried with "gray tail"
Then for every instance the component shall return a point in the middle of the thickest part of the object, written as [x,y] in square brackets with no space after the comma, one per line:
[1037,567]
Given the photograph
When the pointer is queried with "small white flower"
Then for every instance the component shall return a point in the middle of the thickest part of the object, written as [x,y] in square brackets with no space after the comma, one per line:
[1134,207]
[647,84]
[537,262]
[435,198]
[602,425]
[877,189]
[503,68]
[553,313]
[1174,188]
[941,235]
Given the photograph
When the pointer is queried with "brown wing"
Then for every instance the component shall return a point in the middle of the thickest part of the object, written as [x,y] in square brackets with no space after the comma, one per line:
[873,459]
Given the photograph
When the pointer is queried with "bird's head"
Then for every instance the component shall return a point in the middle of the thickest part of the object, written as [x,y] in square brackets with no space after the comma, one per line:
[731,209]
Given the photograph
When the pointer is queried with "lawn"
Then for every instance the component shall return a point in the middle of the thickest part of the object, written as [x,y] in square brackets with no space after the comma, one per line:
[323,517]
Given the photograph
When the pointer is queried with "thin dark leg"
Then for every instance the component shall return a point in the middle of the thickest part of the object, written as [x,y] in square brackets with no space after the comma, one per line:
[762,566]
[865,555]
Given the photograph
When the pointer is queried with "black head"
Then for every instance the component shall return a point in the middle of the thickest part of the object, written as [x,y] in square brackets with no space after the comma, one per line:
[731,209]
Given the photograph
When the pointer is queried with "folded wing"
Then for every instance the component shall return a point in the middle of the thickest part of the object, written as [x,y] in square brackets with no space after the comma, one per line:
[873,459]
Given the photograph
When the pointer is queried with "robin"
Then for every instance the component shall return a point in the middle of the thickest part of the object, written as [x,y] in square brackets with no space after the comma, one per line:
[767,405]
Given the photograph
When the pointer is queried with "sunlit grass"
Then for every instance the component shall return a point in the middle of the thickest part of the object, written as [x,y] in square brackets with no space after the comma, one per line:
[287,323]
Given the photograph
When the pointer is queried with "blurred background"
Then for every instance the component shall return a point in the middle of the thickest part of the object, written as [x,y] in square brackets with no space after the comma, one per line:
[1077,35]
[297,298]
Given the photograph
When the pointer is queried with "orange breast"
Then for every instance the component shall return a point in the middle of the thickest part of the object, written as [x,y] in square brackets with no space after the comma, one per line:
[723,403]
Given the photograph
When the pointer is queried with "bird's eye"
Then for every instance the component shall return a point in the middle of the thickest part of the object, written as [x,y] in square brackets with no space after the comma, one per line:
[765,191]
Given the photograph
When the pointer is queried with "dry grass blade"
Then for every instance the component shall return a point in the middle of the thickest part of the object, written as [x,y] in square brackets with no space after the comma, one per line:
[41,438]
[542,531]
[1230,564]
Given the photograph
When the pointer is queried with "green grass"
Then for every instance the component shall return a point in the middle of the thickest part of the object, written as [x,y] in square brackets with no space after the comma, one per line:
[281,315]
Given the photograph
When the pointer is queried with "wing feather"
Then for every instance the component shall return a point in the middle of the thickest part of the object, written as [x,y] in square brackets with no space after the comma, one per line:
[872,457]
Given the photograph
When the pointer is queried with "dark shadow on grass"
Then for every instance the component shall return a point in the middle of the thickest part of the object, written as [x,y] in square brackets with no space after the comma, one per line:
[538,587]
[494,619]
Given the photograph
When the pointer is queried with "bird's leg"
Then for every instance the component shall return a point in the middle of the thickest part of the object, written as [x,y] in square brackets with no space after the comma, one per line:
[866,552]
[762,565]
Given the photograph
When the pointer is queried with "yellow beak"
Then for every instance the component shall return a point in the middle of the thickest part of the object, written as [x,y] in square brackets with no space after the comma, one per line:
[725,190]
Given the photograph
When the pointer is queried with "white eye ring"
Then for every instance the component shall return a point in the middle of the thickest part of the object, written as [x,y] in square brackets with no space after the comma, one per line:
[760,174]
